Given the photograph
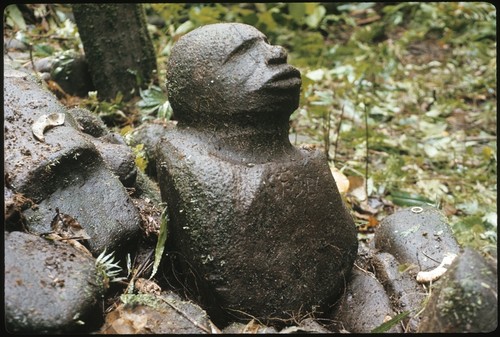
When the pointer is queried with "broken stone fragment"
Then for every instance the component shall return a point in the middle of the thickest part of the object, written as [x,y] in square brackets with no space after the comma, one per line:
[66,171]
[400,283]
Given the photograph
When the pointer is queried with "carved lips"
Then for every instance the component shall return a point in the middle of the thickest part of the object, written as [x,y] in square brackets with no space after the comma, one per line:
[288,78]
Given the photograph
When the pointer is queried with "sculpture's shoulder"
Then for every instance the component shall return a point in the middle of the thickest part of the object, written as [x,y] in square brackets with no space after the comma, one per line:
[179,144]
[184,147]
[312,156]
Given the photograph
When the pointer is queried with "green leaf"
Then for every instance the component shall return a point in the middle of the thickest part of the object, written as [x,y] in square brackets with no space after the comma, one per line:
[392,322]
[267,20]
[313,20]
[184,28]
[154,100]
[205,15]
[401,198]
[297,10]
[15,17]
[43,50]
[162,238]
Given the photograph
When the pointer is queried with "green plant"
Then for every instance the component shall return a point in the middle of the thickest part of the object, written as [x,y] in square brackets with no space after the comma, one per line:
[112,112]
[386,326]
[14,18]
[154,101]
[108,268]
[162,239]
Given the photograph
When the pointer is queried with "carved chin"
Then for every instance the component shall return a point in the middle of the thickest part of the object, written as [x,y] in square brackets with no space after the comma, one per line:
[281,90]
[281,98]
[271,102]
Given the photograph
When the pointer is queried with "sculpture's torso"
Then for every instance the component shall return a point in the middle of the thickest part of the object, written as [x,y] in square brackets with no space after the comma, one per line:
[266,237]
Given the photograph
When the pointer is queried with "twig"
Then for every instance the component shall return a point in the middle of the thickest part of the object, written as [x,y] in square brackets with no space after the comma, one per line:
[33,62]
[145,264]
[434,99]
[326,133]
[364,270]
[367,151]
[246,314]
[138,271]
[430,258]
[338,133]
[480,138]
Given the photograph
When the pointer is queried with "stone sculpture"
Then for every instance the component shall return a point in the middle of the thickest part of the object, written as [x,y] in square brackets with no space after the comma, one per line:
[258,221]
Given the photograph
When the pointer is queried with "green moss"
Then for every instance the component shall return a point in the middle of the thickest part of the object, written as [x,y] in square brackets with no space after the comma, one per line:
[142,299]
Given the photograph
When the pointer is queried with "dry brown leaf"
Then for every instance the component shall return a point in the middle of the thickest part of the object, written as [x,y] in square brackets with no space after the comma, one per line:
[67,227]
[357,187]
[124,321]
[365,207]
[74,243]
[145,286]
[252,327]
[340,179]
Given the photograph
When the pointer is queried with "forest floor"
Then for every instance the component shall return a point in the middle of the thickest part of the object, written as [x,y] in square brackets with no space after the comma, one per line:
[401,97]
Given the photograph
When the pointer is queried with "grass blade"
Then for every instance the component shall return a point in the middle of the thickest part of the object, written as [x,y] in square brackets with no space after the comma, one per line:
[390,323]
[160,244]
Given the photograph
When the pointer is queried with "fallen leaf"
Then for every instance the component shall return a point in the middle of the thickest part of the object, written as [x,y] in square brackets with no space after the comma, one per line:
[402,198]
[67,227]
[145,286]
[340,179]
[45,122]
[357,187]
[72,242]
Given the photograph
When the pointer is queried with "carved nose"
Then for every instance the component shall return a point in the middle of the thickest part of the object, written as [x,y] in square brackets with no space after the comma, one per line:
[277,55]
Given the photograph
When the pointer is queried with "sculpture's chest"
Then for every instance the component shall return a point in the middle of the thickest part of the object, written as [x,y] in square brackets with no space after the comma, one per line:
[206,182]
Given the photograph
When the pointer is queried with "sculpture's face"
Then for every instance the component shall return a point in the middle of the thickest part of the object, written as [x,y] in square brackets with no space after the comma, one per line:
[230,70]
[258,72]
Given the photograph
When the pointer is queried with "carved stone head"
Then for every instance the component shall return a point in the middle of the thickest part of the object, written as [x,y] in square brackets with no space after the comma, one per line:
[229,71]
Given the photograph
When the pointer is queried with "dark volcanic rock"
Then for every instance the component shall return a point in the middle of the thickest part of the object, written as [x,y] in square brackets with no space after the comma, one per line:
[89,123]
[259,221]
[64,171]
[400,283]
[119,159]
[418,236]
[149,134]
[466,299]
[50,287]
[365,305]
[97,200]
[112,147]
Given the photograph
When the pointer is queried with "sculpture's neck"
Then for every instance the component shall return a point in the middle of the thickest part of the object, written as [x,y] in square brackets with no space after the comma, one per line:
[250,144]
